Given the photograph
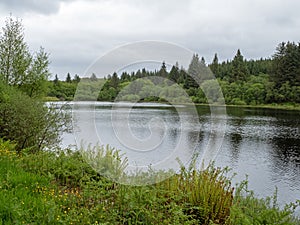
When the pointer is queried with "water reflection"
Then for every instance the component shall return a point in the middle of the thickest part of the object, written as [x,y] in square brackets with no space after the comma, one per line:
[286,150]
[265,144]
[235,141]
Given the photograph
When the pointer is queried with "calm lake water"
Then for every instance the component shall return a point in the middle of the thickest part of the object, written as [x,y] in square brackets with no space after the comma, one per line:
[262,143]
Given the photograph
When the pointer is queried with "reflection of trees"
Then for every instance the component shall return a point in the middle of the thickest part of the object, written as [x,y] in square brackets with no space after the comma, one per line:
[286,141]
[195,137]
[286,150]
[235,138]
[235,143]
[173,135]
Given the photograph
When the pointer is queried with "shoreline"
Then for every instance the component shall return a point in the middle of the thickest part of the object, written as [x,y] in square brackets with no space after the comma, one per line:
[290,107]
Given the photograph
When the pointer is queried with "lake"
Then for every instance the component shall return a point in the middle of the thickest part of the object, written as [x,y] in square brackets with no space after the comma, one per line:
[262,143]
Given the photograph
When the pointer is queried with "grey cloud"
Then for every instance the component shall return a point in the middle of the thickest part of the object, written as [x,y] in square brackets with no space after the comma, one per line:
[27,6]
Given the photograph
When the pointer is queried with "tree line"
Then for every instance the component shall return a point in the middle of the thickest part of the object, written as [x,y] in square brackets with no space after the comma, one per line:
[243,82]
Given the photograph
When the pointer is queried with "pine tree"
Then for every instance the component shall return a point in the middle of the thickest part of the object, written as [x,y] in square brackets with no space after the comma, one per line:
[76,78]
[197,72]
[214,66]
[163,70]
[239,71]
[174,74]
[55,81]
[125,77]
[114,81]
[286,64]
[202,61]
[94,77]
[68,78]
[193,73]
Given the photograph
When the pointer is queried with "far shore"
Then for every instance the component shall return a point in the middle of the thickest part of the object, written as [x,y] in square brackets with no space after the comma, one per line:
[286,106]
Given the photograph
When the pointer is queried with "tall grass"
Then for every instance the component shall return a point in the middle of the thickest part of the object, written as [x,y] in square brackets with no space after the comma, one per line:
[206,196]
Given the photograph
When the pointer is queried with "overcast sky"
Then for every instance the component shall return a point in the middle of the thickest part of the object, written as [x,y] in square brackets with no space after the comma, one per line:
[76,32]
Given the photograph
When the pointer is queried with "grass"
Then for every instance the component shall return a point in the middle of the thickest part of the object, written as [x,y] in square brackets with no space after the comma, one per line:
[285,106]
[62,188]
[50,99]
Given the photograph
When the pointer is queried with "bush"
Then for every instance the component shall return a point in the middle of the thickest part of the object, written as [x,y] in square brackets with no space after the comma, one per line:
[29,122]
[249,210]
[238,101]
[205,196]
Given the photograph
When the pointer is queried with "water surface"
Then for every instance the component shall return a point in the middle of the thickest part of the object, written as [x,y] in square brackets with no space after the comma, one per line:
[262,143]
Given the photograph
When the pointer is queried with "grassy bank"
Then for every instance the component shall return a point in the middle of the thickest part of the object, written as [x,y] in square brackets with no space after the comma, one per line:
[293,106]
[61,188]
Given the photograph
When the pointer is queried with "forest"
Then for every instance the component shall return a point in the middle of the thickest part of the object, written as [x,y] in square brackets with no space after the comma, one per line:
[274,80]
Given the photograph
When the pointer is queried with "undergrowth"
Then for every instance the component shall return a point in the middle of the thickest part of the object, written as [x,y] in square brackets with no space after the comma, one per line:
[62,188]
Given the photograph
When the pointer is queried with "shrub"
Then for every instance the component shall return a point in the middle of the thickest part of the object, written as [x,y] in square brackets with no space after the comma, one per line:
[247,209]
[29,122]
[207,195]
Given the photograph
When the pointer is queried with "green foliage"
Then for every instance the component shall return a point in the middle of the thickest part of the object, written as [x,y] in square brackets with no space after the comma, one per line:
[197,73]
[68,78]
[28,122]
[106,161]
[88,90]
[174,74]
[207,196]
[14,57]
[247,209]
[67,168]
[214,66]
[286,64]
[62,90]
[286,72]
[61,187]
[163,71]
[76,79]
[239,68]
[212,91]
[7,148]
[19,199]
[18,67]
